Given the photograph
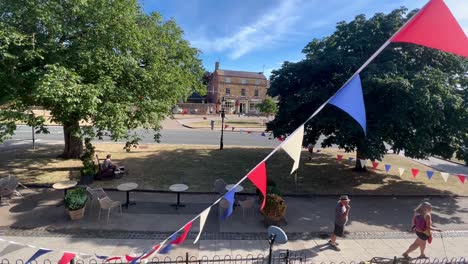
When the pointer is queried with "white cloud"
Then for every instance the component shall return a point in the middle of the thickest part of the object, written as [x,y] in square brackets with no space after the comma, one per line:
[271,28]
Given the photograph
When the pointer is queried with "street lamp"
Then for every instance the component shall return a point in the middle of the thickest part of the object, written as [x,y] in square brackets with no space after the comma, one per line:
[222,124]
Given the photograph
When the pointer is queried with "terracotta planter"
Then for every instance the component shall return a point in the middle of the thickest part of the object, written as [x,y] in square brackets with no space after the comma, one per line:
[77,214]
[274,220]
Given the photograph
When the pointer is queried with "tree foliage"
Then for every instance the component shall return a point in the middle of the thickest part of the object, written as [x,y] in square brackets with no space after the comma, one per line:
[415,97]
[103,62]
[267,107]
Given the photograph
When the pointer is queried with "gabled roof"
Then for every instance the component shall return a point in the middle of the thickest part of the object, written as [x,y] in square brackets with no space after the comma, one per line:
[241,74]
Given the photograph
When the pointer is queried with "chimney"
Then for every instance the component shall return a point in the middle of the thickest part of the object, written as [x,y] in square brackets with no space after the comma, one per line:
[216,65]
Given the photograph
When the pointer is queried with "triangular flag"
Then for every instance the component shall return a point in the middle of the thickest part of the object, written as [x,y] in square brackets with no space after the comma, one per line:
[101,257]
[293,146]
[229,196]
[281,138]
[112,259]
[263,134]
[462,178]
[350,159]
[387,167]
[259,179]
[179,240]
[134,261]
[66,258]
[374,165]
[11,247]
[38,253]
[350,99]
[151,252]
[444,176]
[339,157]
[414,172]
[401,171]
[435,27]
[203,217]
[429,174]
[362,162]
[168,248]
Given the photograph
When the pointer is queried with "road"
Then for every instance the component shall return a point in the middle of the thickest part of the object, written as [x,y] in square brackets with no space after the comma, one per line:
[168,136]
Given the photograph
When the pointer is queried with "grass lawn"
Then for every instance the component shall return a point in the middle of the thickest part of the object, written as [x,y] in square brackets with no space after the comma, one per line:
[232,123]
[156,166]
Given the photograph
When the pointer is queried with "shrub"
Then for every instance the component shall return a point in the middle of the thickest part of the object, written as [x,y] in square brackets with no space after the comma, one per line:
[274,206]
[76,199]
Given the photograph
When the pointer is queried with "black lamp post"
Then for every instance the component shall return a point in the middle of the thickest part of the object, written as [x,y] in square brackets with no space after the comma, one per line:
[222,124]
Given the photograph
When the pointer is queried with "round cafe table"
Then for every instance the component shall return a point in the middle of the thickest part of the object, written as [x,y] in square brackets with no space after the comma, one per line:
[127,187]
[64,185]
[178,188]
[239,188]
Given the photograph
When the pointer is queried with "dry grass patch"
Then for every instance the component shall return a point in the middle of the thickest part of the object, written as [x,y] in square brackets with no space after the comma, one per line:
[157,166]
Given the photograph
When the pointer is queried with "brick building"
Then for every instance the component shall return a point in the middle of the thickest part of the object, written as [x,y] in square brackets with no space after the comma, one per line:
[241,90]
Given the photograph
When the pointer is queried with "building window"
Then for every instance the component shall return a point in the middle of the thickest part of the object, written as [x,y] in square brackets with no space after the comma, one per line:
[252,106]
[257,82]
[243,92]
[244,81]
[256,92]
[228,91]
[228,80]
[228,105]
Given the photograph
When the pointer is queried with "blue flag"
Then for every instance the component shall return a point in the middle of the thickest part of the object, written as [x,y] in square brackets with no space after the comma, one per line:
[101,257]
[387,167]
[429,174]
[38,253]
[229,196]
[351,100]
[168,247]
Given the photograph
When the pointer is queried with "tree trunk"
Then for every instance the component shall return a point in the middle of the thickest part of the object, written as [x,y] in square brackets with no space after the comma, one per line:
[359,156]
[73,143]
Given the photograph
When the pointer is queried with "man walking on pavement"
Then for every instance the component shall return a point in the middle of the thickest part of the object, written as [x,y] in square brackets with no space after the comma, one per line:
[341,218]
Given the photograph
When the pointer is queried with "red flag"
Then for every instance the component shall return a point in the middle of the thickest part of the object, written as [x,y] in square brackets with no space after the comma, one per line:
[181,238]
[259,179]
[66,258]
[339,157]
[435,27]
[414,172]
[374,165]
[462,178]
[113,258]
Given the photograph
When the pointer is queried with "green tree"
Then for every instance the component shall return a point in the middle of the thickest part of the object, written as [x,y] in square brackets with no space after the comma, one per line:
[267,107]
[103,62]
[415,97]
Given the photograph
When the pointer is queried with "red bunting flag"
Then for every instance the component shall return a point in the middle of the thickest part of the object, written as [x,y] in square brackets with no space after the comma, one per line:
[113,258]
[462,178]
[414,172]
[435,27]
[281,138]
[259,179]
[226,126]
[374,165]
[66,258]
[339,157]
[181,238]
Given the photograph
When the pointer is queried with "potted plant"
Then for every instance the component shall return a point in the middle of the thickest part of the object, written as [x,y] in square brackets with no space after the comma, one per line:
[89,169]
[274,210]
[271,189]
[75,202]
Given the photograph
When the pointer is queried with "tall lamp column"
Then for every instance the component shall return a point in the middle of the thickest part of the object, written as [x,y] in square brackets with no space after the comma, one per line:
[222,124]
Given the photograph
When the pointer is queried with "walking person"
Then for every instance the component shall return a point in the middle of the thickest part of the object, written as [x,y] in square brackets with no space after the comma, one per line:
[342,209]
[422,225]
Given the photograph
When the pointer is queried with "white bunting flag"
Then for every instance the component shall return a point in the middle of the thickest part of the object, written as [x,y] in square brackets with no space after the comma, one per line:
[293,146]
[444,175]
[401,171]
[363,163]
[12,247]
[203,217]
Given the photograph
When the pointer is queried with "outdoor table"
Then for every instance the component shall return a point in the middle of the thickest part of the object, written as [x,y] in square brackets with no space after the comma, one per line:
[64,185]
[127,187]
[178,188]
[239,188]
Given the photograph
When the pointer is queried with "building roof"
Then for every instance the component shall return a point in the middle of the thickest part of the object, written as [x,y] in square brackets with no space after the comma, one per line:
[241,74]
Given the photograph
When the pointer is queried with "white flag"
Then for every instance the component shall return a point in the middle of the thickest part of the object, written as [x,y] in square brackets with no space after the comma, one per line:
[363,163]
[293,146]
[444,175]
[203,217]
[12,247]
[401,171]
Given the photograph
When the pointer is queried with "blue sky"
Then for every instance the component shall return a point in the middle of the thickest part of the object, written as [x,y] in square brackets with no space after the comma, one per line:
[257,35]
